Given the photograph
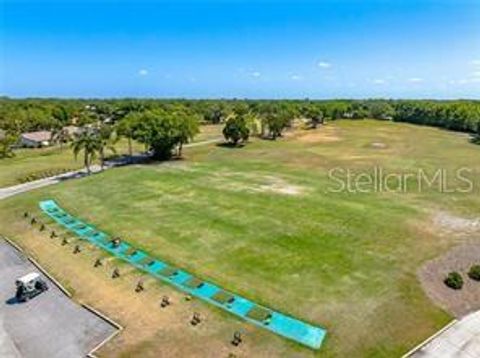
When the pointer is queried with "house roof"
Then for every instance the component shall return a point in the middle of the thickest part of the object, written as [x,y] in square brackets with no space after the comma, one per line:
[40,136]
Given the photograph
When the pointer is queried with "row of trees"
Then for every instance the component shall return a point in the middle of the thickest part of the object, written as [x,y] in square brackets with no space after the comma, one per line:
[164,126]
[454,115]
[33,114]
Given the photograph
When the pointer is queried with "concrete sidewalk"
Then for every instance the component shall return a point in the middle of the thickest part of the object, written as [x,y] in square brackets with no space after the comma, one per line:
[461,340]
[21,188]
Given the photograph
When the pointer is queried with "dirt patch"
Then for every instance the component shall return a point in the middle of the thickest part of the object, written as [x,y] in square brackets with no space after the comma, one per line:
[378,145]
[432,274]
[279,186]
[171,166]
[457,225]
[257,183]
[323,134]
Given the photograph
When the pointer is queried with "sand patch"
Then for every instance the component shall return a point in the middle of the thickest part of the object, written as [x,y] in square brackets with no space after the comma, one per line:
[432,274]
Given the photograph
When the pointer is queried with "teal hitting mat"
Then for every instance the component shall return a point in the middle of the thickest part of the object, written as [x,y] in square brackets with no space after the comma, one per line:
[274,321]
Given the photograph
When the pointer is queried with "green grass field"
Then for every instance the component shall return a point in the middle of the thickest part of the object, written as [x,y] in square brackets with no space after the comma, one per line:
[262,221]
[29,161]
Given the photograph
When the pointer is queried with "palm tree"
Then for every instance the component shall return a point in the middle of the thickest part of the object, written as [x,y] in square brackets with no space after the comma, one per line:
[107,137]
[88,142]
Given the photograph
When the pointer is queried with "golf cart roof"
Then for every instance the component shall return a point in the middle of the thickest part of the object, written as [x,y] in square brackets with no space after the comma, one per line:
[28,277]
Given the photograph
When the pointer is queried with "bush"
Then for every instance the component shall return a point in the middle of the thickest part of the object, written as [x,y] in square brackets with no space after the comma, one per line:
[474,272]
[454,280]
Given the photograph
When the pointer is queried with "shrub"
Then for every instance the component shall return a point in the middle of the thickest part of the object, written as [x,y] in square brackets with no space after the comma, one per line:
[454,280]
[43,174]
[474,272]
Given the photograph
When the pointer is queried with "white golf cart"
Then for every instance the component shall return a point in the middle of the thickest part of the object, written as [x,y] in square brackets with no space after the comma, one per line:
[29,286]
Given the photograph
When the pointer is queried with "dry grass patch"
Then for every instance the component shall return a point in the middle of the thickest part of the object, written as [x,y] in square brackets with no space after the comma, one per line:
[150,331]
[223,297]
[323,134]
[193,283]
[259,314]
[256,183]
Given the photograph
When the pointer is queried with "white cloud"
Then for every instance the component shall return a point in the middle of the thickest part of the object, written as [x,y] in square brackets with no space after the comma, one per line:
[323,64]
[296,77]
[143,72]
[465,81]
[475,62]
[476,74]
[462,81]
[415,80]
[379,81]
[256,74]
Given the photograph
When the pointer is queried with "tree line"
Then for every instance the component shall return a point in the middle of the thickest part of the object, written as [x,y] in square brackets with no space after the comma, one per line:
[164,126]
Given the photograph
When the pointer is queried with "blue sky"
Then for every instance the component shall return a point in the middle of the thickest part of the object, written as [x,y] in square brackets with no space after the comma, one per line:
[255,49]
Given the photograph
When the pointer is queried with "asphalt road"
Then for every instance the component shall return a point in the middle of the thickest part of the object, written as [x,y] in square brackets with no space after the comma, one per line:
[49,325]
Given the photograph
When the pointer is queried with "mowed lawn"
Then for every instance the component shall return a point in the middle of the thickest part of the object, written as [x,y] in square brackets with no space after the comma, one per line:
[27,161]
[263,221]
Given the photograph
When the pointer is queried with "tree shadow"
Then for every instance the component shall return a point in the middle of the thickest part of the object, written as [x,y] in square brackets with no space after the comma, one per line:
[474,139]
[230,145]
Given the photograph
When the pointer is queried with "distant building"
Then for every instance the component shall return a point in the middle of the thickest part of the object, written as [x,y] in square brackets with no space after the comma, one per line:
[36,139]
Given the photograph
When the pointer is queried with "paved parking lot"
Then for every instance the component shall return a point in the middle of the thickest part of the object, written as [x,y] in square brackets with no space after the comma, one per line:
[50,325]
